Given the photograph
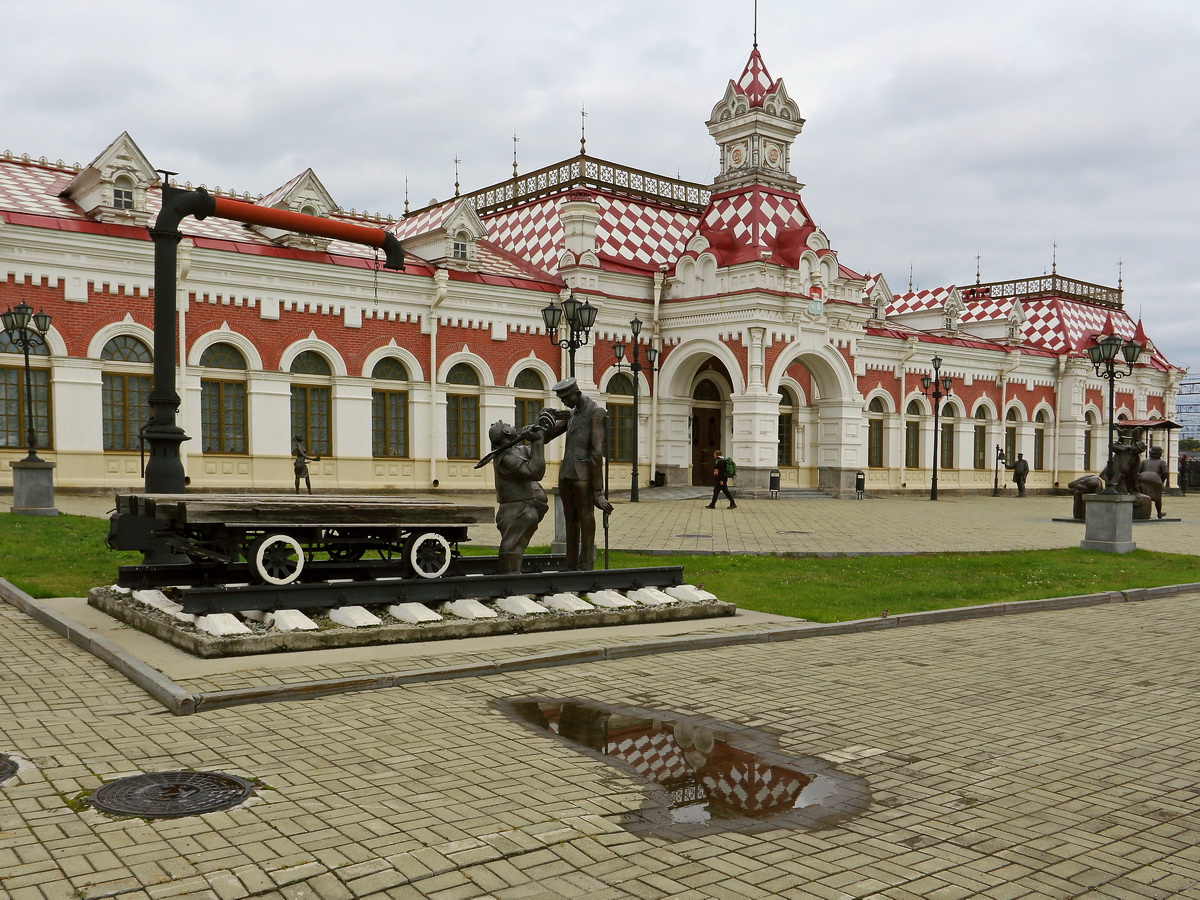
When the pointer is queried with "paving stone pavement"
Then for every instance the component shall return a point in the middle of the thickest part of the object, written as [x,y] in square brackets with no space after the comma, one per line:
[1043,755]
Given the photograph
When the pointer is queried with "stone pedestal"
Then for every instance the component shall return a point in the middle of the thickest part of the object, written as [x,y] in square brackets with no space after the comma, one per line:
[1109,523]
[33,488]
[559,545]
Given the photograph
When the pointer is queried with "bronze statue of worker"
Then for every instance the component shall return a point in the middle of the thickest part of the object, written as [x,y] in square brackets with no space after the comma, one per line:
[519,462]
[1126,461]
[1152,478]
[581,475]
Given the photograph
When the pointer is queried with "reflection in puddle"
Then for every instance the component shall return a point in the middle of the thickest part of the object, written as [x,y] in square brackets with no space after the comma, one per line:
[715,776]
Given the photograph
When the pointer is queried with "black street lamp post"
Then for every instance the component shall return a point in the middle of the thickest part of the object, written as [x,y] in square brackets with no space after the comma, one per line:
[941,388]
[27,330]
[580,317]
[636,367]
[1103,354]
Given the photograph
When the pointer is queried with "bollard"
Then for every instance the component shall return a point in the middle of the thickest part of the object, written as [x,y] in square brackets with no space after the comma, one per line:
[860,484]
[774,484]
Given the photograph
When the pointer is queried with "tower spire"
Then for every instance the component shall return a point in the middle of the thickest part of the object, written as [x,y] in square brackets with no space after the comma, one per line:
[755,24]
[582,130]
[516,140]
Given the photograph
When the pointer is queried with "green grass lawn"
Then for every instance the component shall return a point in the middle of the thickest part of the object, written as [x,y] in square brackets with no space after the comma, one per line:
[64,556]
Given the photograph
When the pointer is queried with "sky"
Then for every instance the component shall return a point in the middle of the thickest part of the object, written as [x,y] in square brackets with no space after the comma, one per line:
[940,134]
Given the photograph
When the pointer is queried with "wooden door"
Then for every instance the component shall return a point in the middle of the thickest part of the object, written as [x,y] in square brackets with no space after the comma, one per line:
[706,440]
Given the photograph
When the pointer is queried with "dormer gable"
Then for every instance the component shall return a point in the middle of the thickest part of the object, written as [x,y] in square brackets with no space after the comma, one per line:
[304,194]
[112,187]
[450,238]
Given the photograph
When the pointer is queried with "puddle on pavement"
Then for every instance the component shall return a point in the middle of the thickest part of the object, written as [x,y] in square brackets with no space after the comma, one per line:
[704,776]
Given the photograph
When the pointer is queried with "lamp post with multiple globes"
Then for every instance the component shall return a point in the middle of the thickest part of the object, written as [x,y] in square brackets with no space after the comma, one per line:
[579,319]
[1102,354]
[941,388]
[635,366]
[27,330]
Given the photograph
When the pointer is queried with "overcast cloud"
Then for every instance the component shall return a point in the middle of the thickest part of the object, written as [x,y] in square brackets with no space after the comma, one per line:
[937,129]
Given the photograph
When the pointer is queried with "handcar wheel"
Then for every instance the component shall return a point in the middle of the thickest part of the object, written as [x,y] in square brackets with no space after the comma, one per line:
[276,559]
[428,555]
[339,552]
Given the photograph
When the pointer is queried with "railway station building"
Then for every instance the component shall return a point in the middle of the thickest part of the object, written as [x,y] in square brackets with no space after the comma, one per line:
[770,347]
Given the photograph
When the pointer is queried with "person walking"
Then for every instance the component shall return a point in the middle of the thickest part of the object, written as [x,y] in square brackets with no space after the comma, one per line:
[721,473]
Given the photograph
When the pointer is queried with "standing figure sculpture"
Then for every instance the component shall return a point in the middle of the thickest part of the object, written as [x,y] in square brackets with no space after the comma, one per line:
[1020,470]
[300,463]
[520,498]
[1126,462]
[581,475]
[1152,478]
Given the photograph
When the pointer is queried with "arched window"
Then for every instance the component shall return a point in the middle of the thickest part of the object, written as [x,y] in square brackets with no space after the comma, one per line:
[946,447]
[1041,420]
[912,436]
[389,409]
[312,403]
[125,390]
[620,418]
[787,431]
[707,390]
[458,247]
[980,454]
[14,415]
[1010,434]
[876,410]
[531,397]
[122,192]
[462,413]
[223,400]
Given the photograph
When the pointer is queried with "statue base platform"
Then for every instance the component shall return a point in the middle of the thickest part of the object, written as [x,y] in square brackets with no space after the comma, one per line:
[1109,523]
[33,488]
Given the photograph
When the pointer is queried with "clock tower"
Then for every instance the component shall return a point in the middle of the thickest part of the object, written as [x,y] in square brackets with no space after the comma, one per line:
[754,125]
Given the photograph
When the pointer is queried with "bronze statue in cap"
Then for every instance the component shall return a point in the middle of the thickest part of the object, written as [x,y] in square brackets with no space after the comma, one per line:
[581,475]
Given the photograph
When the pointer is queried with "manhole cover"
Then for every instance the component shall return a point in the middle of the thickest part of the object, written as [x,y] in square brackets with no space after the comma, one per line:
[8,767]
[793,532]
[693,535]
[168,795]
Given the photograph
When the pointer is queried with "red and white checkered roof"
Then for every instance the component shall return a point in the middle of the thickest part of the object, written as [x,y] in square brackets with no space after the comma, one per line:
[755,216]
[755,81]
[920,301]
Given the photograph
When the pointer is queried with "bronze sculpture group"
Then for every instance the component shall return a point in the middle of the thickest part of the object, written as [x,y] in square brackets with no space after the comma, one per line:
[1130,474]
[519,463]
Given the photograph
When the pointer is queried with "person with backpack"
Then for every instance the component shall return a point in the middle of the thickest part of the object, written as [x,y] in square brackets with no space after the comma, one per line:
[723,469]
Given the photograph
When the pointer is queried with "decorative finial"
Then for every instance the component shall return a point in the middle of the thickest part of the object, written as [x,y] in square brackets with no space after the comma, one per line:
[910,270]
[976,268]
[406,193]
[755,24]
[582,130]
[516,140]
[456,162]
[1120,276]
[1054,260]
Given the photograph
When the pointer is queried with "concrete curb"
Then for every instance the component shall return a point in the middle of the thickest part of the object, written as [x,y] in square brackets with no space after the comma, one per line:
[181,703]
